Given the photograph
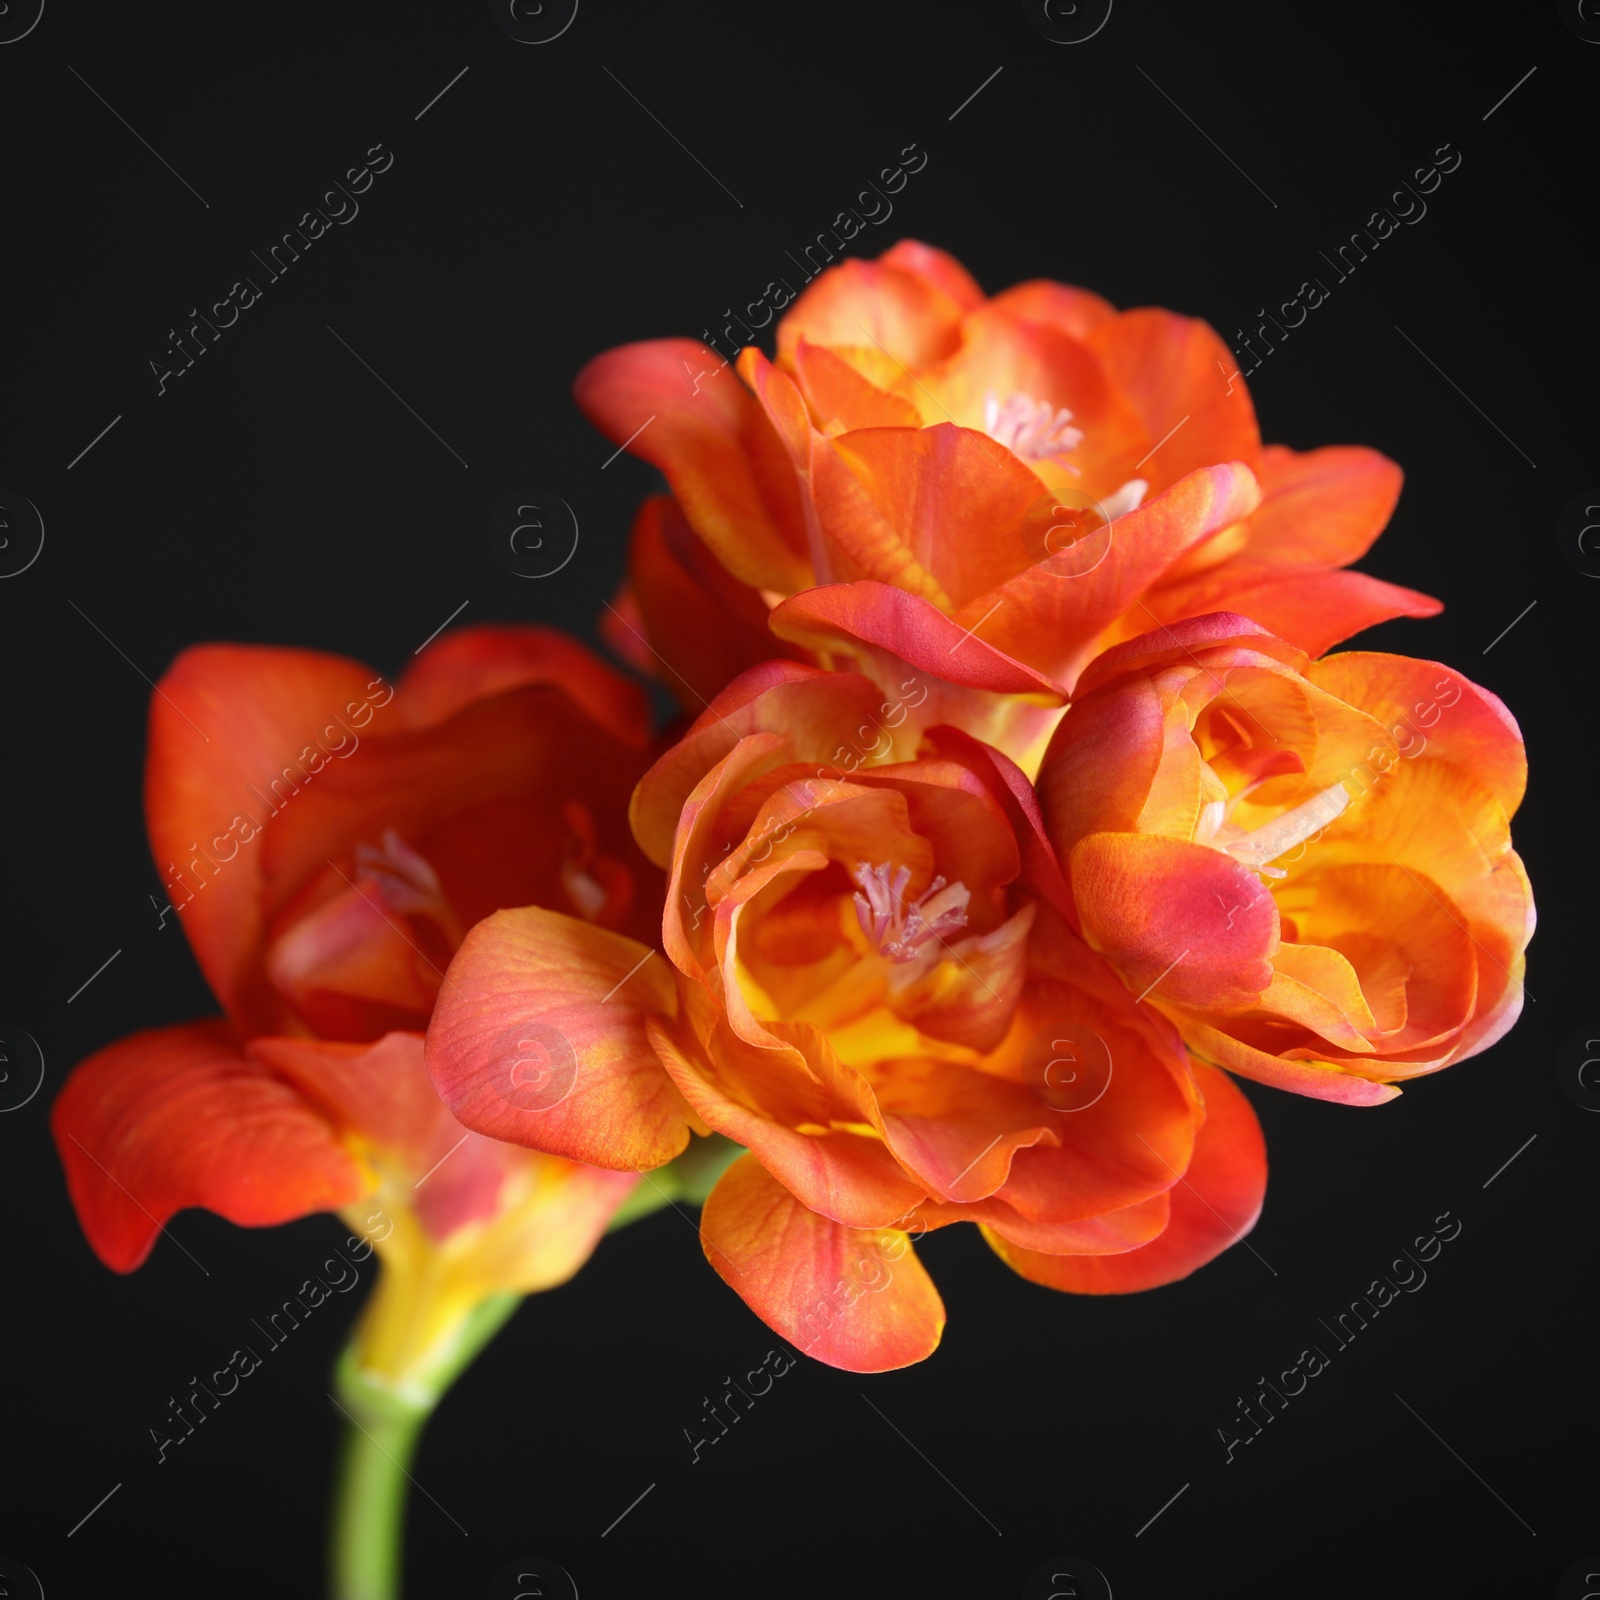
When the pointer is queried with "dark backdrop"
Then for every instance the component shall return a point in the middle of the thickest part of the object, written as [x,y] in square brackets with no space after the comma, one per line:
[535,214]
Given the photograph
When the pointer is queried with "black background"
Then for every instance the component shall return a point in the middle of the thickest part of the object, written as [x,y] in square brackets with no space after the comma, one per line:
[535,215]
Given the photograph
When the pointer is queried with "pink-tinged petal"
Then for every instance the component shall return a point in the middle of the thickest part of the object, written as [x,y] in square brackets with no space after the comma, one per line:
[1076,312]
[1009,788]
[539,1038]
[1214,1204]
[1320,1079]
[226,723]
[875,305]
[1102,761]
[710,439]
[850,1297]
[1322,508]
[1182,922]
[836,616]
[470,664]
[177,1117]
[1052,614]
[937,267]
[1312,608]
[1181,642]
[1168,366]
[350,969]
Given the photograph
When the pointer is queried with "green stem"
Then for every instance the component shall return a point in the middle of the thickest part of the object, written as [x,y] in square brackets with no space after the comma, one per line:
[690,1178]
[383,1428]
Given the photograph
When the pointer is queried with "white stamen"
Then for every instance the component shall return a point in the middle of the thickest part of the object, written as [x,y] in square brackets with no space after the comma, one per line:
[1031,429]
[1273,839]
[406,881]
[900,932]
[1211,820]
[408,884]
[1128,498]
[583,891]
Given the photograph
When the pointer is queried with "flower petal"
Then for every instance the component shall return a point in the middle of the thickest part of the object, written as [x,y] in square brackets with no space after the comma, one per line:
[1317,1079]
[1181,919]
[539,1038]
[1168,366]
[1312,608]
[1322,507]
[877,305]
[1052,614]
[1214,1204]
[226,723]
[687,620]
[466,665]
[937,267]
[841,614]
[177,1117]
[682,408]
[851,1297]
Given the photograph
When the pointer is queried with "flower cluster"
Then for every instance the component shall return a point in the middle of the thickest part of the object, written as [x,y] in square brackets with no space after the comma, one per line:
[1024,811]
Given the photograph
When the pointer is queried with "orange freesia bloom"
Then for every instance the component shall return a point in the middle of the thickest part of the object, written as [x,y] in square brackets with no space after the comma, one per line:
[335,838]
[1306,865]
[948,477]
[869,981]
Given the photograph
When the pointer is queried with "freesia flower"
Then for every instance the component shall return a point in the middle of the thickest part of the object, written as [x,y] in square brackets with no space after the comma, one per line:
[1306,865]
[335,837]
[948,477]
[869,982]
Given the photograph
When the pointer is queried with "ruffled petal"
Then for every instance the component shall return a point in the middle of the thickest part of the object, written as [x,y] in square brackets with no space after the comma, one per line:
[177,1117]
[851,1297]
[1214,1204]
